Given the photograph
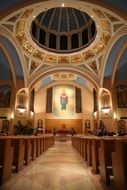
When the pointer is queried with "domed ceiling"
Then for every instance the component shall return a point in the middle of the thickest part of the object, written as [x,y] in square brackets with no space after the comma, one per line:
[54,20]
[63,29]
[63,19]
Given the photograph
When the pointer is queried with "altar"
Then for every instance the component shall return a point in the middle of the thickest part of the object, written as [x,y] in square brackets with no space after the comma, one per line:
[63,138]
[63,133]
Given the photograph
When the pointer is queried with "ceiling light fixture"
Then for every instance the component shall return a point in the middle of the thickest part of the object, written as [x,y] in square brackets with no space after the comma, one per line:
[21,110]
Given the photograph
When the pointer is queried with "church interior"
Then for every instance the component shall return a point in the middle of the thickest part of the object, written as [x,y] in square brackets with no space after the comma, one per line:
[63,94]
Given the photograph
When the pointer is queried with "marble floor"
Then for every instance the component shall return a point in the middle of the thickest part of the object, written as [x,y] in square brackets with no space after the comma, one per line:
[59,168]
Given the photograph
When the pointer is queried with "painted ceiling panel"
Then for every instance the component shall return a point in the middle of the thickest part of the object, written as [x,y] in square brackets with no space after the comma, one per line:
[121,73]
[119,3]
[46,81]
[5,4]
[5,71]
[13,53]
[112,56]
[81,81]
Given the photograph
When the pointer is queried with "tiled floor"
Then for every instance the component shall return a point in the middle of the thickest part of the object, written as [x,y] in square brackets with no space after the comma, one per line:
[59,168]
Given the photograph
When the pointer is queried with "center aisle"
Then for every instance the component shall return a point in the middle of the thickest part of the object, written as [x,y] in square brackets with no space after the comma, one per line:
[59,168]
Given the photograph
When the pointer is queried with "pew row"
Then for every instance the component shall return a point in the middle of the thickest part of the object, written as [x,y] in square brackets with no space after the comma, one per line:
[119,163]
[6,158]
[101,154]
[17,151]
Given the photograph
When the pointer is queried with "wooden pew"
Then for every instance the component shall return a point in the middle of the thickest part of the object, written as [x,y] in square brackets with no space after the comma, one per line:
[46,143]
[42,145]
[15,150]
[19,151]
[38,146]
[81,145]
[107,146]
[28,149]
[119,163]
[95,154]
[85,148]
[89,151]
[6,157]
[34,148]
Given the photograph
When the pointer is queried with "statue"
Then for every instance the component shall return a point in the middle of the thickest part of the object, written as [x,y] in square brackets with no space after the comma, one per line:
[5,127]
[101,129]
[73,132]
[121,128]
[40,126]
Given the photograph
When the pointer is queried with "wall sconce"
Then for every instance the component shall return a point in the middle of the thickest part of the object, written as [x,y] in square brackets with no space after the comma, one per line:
[12,115]
[32,113]
[106,109]
[95,113]
[62,3]
[114,115]
[21,110]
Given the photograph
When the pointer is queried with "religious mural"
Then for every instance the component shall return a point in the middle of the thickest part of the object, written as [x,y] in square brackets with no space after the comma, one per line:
[21,103]
[5,96]
[121,92]
[63,99]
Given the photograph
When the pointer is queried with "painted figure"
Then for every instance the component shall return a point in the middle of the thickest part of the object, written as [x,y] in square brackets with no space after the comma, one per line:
[5,96]
[63,100]
[21,101]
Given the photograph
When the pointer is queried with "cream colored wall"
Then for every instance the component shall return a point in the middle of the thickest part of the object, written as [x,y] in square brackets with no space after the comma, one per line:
[111,123]
[87,106]
[40,106]
[9,112]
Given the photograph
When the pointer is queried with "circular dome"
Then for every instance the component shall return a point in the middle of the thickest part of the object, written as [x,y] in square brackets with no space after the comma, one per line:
[63,29]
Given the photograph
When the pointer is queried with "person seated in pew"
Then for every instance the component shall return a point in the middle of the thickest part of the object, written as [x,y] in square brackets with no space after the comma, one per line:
[101,131]
[73,131]
[28,129]
[111,134]
[18,128]
[54,131]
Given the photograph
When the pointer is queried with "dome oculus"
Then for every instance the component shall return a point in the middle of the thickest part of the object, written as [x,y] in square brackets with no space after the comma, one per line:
[63,30]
